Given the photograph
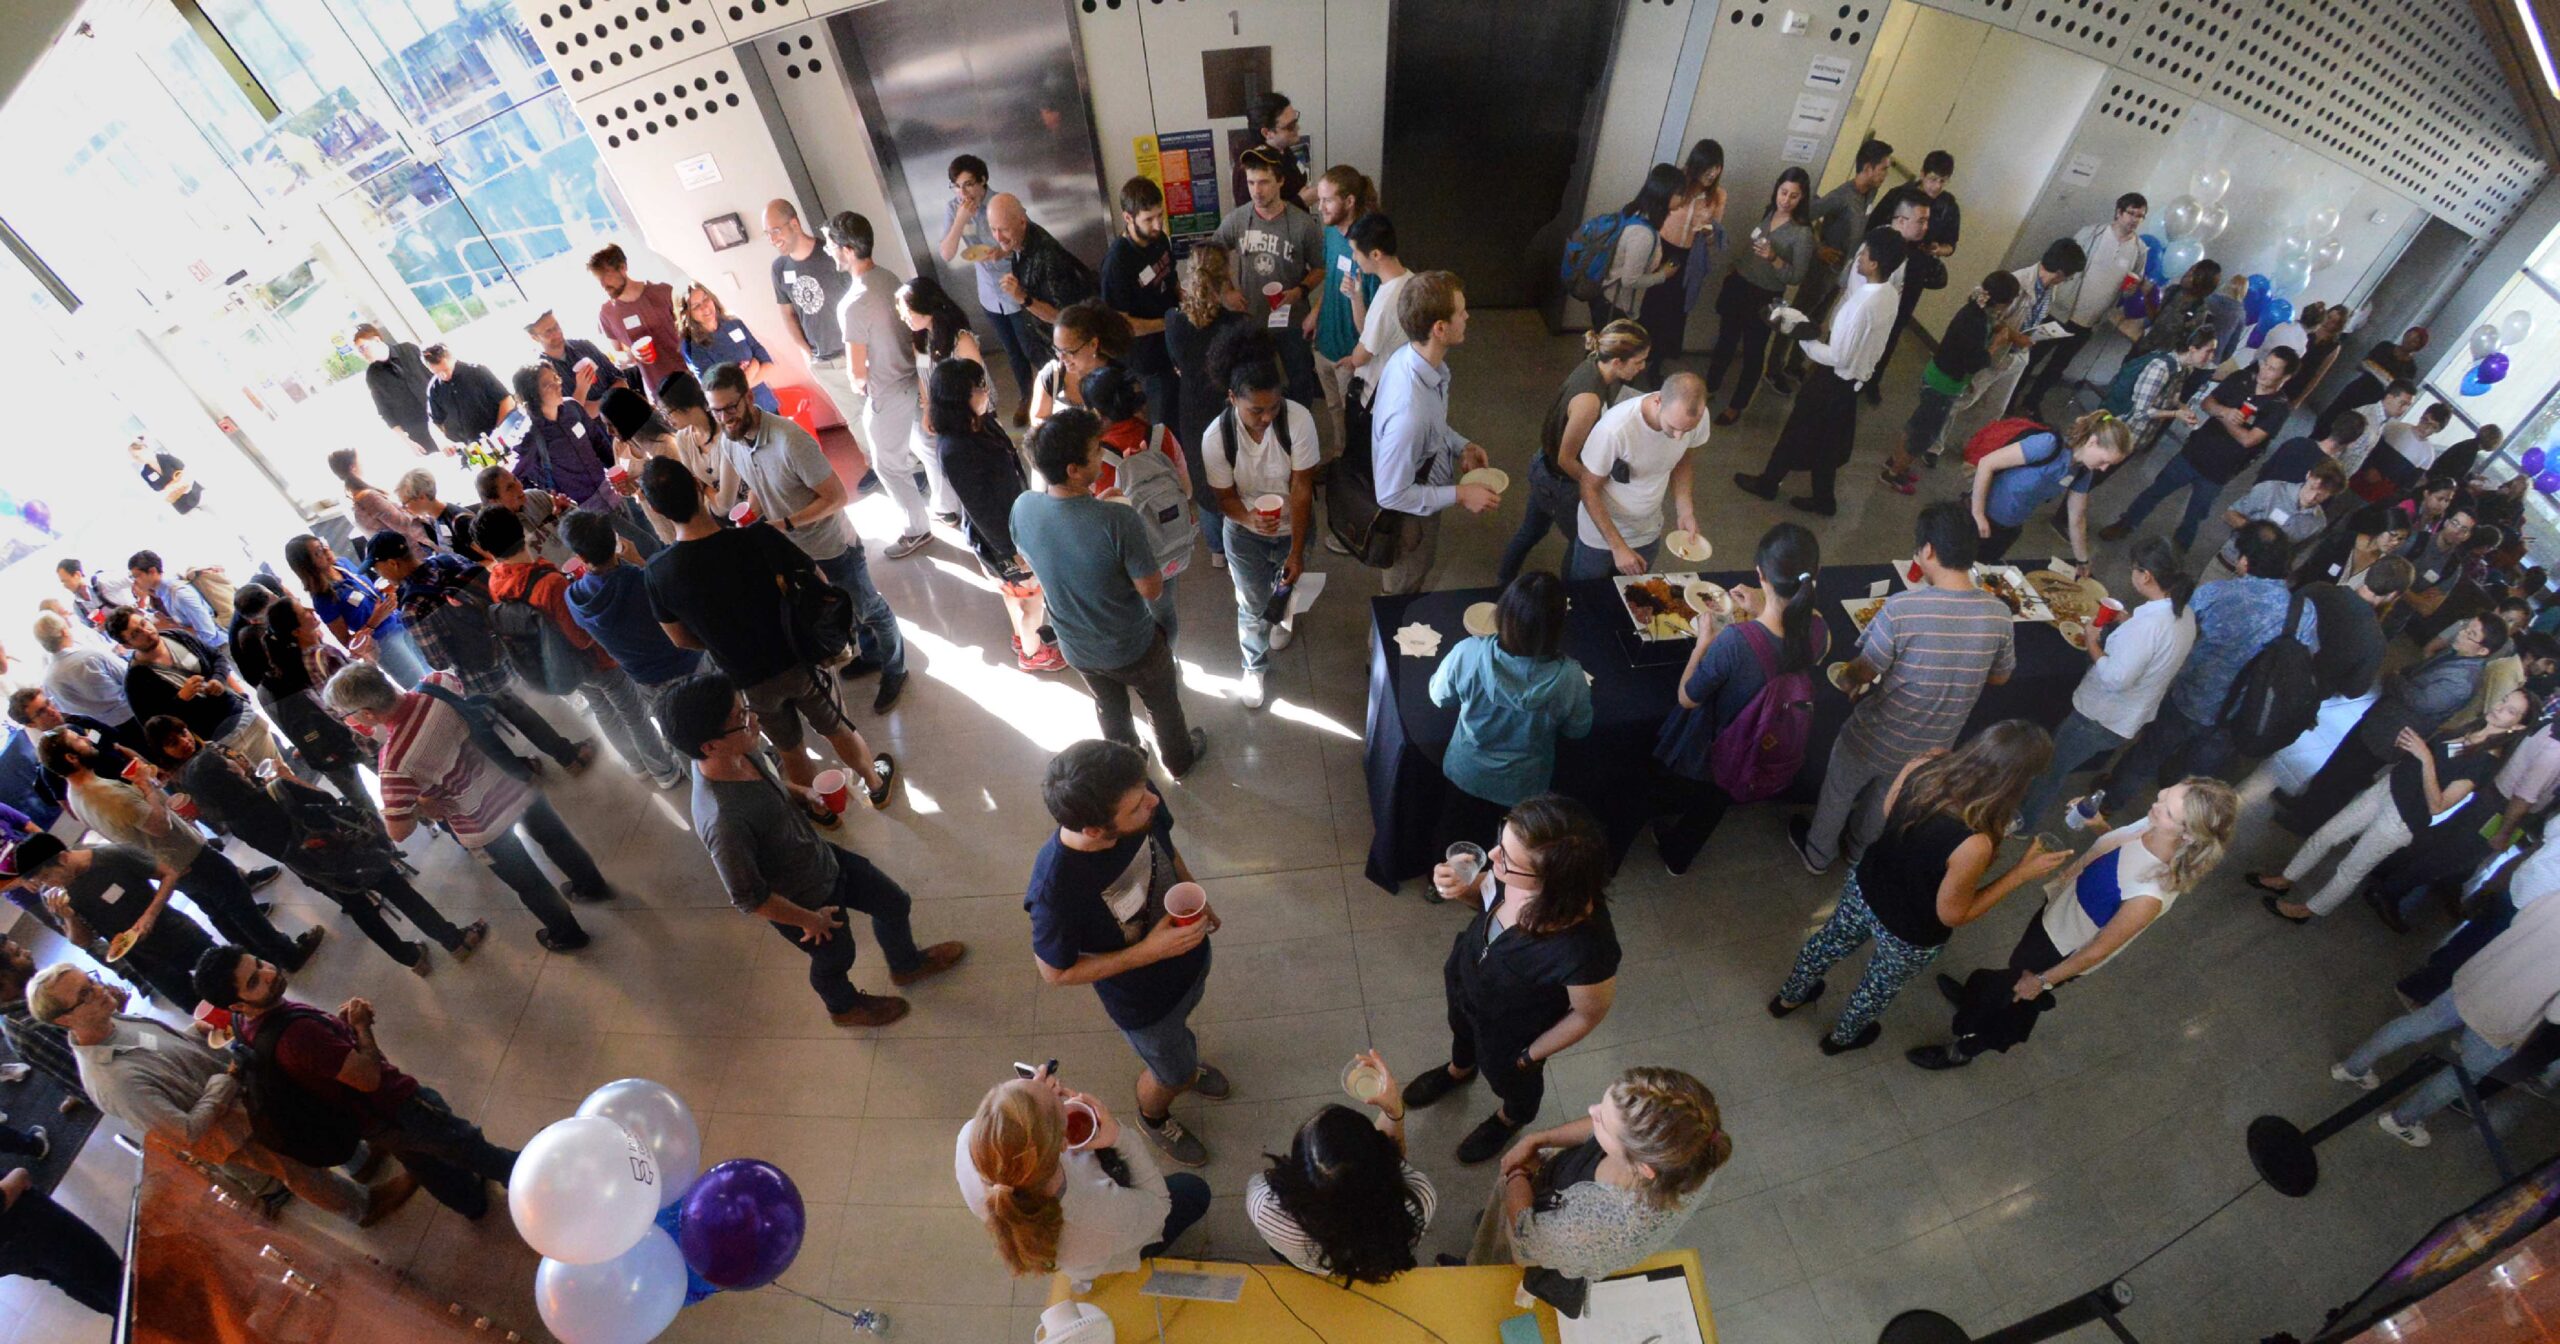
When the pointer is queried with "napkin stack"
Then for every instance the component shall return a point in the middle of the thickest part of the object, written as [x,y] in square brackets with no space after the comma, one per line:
[1417,641]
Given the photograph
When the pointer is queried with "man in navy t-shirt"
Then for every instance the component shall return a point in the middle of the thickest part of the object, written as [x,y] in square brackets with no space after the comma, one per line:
[1097,903]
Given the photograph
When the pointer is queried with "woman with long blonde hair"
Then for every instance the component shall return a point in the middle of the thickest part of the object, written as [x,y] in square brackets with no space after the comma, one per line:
[2126,881]
[1056,1207]
[1589,1198]
[1927,875]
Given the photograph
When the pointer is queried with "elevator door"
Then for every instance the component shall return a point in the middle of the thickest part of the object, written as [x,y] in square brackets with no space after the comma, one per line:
[1491,108]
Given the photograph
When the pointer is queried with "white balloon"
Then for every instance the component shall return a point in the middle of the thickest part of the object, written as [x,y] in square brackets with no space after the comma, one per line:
[2211,183]
[2324,221]
[2179,218]
[628,1299]
[2294,244]
[2182,255]
[583,1191]
[653,1114]
[2211,223]
[2329,253]
[2290,278]
[2484,342]
[2514,328]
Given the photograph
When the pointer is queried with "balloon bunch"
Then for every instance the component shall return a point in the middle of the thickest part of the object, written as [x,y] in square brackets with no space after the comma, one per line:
[629,1236]
[2489,346]
[2191,221]
[2313,246]
[2543,466]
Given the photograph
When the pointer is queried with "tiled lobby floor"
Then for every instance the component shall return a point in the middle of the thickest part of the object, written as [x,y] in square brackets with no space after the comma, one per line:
[1860,1186]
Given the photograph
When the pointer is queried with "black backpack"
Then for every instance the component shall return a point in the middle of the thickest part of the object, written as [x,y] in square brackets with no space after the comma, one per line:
[458,612]
[536,647]
[283,1114]
[481,722]
[2277,695]
[817,617]
[338,847]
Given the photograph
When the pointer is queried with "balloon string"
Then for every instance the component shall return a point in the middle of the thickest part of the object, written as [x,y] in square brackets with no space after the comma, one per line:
[863,1318]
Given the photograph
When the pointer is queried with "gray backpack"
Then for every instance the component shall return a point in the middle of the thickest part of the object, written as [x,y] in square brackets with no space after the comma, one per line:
[1153,486]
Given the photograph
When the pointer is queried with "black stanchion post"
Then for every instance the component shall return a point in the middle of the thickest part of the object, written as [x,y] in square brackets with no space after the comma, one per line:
[2098,1304]
[2283,1153]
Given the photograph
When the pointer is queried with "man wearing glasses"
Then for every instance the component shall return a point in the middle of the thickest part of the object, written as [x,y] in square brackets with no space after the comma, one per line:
[776,867]
[796,489]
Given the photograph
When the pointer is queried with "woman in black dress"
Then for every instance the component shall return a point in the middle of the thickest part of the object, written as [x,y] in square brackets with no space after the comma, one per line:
[986,475]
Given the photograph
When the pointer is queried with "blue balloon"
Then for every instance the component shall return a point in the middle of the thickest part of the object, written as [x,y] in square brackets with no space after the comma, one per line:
[2254,308]
[2258,336]
[696,1287]
[2471,384]
[2279,312]
[2259,284]
[2155,251]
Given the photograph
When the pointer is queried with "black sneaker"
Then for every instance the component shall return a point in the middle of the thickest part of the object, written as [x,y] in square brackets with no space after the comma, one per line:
[1951,989]
[1937,1057]
[892,685]
[587,895]
[1779,1007]
[1752,485]
[1866,1037]
[1199,753]
[1210,1083]
[305,943]
[885,766]
[1175,1142]
[1800,839]
[859,668]
[559,943]
[259,879]
[1487,1140]
[1431,1085]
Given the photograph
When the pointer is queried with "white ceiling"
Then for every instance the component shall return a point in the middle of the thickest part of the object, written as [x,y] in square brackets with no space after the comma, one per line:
[27,34]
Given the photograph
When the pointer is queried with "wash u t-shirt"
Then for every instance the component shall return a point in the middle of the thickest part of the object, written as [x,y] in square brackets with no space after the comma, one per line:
[1102,901]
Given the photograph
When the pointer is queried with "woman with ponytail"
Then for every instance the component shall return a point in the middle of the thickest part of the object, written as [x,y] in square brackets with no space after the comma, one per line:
[1084,1211]
[1262,446]
[1535,971]
[1613,356]
[2101,903]
[2011,482]
[1781,632]
[2131,665]
[1592,1197]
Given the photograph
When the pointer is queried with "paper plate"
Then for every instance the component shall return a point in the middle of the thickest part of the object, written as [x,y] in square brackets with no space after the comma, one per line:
[1688,546]
[1494,479]
[1837,674]
[981,252]
[122,945]
[1479,619]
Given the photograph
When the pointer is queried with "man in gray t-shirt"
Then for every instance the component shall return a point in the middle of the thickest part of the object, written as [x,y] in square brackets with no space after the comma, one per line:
[1278,243]
[776,867]
[880,358]
[1099,573]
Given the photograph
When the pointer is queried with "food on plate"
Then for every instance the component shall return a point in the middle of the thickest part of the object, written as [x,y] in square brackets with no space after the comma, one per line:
[2074,633]
[122,944]
[1687,545]
[2071,598]
[1862,611]
[1659,610]
[981,252]
[2008,584]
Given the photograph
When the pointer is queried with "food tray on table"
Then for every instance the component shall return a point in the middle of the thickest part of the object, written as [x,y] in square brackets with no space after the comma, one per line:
[2006,582]
[1664,607]
[2073,602]
[1862,611]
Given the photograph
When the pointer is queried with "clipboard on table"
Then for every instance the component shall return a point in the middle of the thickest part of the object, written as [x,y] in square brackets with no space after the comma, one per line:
[1655,1306]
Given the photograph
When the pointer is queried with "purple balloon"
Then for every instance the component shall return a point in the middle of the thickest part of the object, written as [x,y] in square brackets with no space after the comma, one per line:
[742,1224]
[2548,482]
[2494,367]
[2532,460]
[38,514]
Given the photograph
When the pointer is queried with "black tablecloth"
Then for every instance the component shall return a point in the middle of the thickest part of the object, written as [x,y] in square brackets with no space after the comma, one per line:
[1633,691]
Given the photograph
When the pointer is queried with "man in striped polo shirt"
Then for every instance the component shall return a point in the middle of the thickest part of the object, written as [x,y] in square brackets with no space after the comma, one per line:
[433,769]
[1921,665]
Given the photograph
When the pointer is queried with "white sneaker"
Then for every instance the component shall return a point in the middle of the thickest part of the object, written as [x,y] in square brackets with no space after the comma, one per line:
[1217,559]
[2368,1080]
[1250,693]
[1280,637]
[13,1073]
[2415,1136]
[909,544]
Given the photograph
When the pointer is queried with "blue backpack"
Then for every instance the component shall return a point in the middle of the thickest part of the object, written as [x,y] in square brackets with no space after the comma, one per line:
[1587,253]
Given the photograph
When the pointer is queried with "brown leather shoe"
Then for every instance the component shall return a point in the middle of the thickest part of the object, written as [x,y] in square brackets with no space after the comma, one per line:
[387,1198]
[938,958]
[874,1010]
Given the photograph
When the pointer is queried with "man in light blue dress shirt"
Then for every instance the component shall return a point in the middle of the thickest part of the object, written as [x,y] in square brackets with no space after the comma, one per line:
[1416,457]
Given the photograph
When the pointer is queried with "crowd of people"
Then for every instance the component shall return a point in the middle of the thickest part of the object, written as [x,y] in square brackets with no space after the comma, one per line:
[653,536]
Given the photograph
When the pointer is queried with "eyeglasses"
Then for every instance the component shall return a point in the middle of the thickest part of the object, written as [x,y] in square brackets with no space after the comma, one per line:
[731,411]
[1501,859]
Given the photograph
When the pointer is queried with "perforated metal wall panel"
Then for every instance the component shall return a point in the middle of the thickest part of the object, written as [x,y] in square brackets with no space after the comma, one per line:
[596,44]
[2404,91]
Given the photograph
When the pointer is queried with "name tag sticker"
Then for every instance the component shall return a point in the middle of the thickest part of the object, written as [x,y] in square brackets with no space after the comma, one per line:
[2279,517]
[1147,276]
[2430,576]
[579,431]
[630,321]
[1344,263]
[113,894]
[739,336]
[791,277]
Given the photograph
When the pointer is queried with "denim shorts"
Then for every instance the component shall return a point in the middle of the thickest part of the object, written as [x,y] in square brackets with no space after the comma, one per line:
[1166,1045]
[1927,418]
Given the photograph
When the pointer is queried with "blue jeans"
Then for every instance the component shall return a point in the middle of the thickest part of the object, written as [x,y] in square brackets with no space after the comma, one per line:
[1190,1203]
[1550,501]
[1025,346]
[401,659]
[2178,474]
[1253,563]
[1592,562]
[880,640]
[2079,738]
[2438,1091]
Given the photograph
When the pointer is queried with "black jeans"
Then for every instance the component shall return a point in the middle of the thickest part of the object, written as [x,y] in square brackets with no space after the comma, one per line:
[525,719]
[2345,774]
[1496,1050]
[1693,808]
[1552,496]
[2171,748]
[860,885]
[218,889]
[40,1239]
[448,1154]
[507,857]
[1158,684]
[367,915]
[1901,322]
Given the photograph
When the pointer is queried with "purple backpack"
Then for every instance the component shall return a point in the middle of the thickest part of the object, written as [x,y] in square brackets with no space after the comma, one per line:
[1758,754]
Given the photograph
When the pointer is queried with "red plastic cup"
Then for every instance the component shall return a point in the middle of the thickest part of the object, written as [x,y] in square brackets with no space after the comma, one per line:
[1186,903]
[183,805]
[1271,291]
[835,789]
[646,348]
[744,515]
[2110,611]
[619,475]
[1913,573]
[212,1018]
[136,770]
[575,568]
[1082,1124]
[1268,508]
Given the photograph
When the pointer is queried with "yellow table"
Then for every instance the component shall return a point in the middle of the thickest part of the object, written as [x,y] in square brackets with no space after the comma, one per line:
[1460,1305]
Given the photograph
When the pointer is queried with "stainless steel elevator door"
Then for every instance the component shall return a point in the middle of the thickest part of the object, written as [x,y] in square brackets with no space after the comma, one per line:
[1491,107]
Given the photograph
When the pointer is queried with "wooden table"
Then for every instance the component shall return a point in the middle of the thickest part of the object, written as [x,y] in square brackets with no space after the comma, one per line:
[1283,1305]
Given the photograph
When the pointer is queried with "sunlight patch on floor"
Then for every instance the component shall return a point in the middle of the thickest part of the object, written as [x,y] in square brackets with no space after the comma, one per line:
[1043,709]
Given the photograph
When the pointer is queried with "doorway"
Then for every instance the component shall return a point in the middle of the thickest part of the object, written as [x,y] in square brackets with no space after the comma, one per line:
[1492,106]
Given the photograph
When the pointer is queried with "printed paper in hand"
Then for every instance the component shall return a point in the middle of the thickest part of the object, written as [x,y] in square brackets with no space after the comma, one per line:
[2060,564]
[1280,316]
[1635,1311]
[1877,588]
[1303,597]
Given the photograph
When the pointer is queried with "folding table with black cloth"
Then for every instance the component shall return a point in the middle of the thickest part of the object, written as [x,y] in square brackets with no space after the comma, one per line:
[1633,690]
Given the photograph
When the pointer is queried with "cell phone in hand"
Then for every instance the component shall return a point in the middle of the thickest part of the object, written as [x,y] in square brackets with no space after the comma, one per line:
[1027,1072]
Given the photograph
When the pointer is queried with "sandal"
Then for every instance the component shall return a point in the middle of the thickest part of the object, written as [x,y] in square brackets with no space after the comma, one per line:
[886,766]
[2259,880]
